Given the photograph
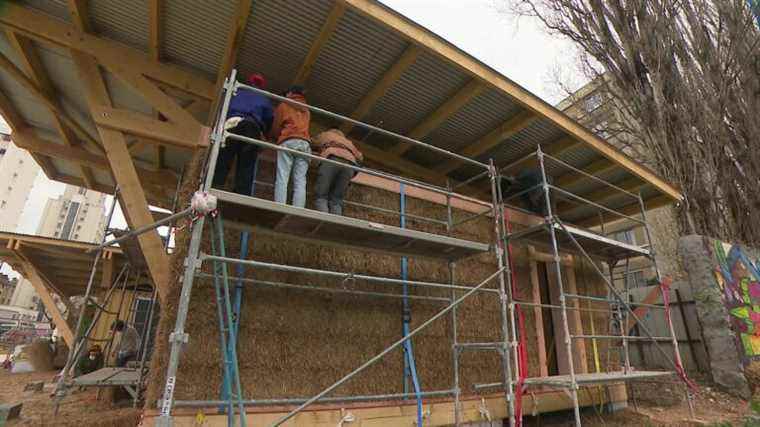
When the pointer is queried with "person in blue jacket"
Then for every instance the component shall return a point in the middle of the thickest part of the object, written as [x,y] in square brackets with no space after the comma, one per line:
[250,114]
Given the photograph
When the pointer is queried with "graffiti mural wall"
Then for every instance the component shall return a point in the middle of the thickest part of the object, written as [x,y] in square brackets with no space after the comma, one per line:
[738,277]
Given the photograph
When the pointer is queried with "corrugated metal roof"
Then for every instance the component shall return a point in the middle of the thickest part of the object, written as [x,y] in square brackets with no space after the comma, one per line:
[278,37]
[123,21]
[275,42]
[195,33]
[425,85]
[355,58]
[57,8]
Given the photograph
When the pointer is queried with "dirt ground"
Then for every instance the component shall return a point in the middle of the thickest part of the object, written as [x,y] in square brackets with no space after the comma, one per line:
[663,403]
[657,404]
[80,408]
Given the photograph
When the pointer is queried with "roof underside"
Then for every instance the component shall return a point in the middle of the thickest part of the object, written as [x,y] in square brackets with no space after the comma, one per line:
[64,264]
[354,58]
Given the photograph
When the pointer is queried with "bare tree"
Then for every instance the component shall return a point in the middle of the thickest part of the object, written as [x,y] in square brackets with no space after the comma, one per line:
[686,75]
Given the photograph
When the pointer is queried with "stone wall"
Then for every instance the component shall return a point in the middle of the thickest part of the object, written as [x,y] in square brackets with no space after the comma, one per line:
[725,284]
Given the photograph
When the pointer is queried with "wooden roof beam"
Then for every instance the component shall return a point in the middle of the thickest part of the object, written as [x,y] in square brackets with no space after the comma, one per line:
[155,29]
[30,142]
[451,54]
[44,292]
[556,149]
[46,29]
[80,15]
[234,39]
[507,129]
[597,167]
[381,87]
[146,126]
[31,61]
[17,123]
[333,18]
[630,210]
[443,112]
[132,194]
[631,185]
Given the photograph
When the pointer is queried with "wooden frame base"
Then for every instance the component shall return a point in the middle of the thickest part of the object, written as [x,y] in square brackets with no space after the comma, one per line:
[438,412]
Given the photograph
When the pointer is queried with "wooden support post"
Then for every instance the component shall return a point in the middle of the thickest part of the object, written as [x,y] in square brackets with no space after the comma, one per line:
[576,326]
[538,315]
[48,302]
[108,266]
[131,192]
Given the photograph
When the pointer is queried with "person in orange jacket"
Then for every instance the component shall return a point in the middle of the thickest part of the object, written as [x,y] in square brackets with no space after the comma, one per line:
[332,179]
[290,128]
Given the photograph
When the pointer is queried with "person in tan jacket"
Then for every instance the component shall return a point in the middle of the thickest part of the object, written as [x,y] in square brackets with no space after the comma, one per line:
[290,128]
[333,180]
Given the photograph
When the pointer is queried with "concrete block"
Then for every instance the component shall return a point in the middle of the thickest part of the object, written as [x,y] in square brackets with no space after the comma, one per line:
[9,411]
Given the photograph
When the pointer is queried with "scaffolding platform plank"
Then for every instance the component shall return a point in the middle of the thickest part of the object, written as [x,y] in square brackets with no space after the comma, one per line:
[595,245]
[320,226]
[595,378]
[109,377]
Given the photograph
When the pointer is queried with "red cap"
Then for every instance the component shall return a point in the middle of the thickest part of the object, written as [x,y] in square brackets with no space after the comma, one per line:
[257,80]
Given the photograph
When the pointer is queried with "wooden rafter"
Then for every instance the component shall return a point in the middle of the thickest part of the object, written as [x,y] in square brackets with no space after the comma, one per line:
[381,87]
[45,294]
[132,195]
[46,29]
[556,149]
[79,14]
[599,196]
[27,140]
[450,53]
[146,126]
[155,33]
[34,68]
[506,130]
[50,103]
[304,71]
[234,39]
[631,209]
[443,112]
[597,167]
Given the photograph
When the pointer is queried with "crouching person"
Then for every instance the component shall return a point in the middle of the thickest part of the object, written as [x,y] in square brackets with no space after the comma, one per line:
[129,343]
[332,179]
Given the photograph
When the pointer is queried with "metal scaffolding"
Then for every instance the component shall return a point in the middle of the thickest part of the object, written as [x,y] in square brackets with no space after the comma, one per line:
[593,247]
[399,241]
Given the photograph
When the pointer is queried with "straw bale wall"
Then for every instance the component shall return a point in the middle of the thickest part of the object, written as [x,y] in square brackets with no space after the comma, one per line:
[294,343]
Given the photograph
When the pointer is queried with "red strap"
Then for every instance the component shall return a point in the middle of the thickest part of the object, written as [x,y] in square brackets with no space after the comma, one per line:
[665,288]
[522,352]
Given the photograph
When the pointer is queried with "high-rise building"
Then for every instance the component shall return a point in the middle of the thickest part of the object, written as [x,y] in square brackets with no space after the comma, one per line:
[7,286]
[18,172]
[78,214]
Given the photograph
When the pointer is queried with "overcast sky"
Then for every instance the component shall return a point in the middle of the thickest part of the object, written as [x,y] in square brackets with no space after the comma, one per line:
[519,49]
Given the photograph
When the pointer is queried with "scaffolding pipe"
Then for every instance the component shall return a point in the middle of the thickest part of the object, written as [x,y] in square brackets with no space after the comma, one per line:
[178,337]
[328,290]
[345,276]
[558,271]
[320,159]
[143,229]
[588,175]
[505,292]
[387,350]
[298,401]
[238,85]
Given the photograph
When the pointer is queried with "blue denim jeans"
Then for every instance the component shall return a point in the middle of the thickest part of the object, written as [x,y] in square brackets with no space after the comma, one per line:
[287,162]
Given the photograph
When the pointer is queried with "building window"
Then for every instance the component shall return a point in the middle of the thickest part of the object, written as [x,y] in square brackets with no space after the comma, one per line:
[3,204]
[82,190]
[592,102]
[70,218]
[626,236]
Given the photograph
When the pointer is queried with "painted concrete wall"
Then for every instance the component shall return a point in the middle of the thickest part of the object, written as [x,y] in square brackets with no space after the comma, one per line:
[725,282]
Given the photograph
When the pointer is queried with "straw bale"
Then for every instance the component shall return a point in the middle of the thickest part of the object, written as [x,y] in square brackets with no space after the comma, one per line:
[295,343]
[40,355]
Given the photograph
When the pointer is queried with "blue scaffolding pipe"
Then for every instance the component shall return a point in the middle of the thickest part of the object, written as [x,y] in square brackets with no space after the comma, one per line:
[238,298]
[410,367]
